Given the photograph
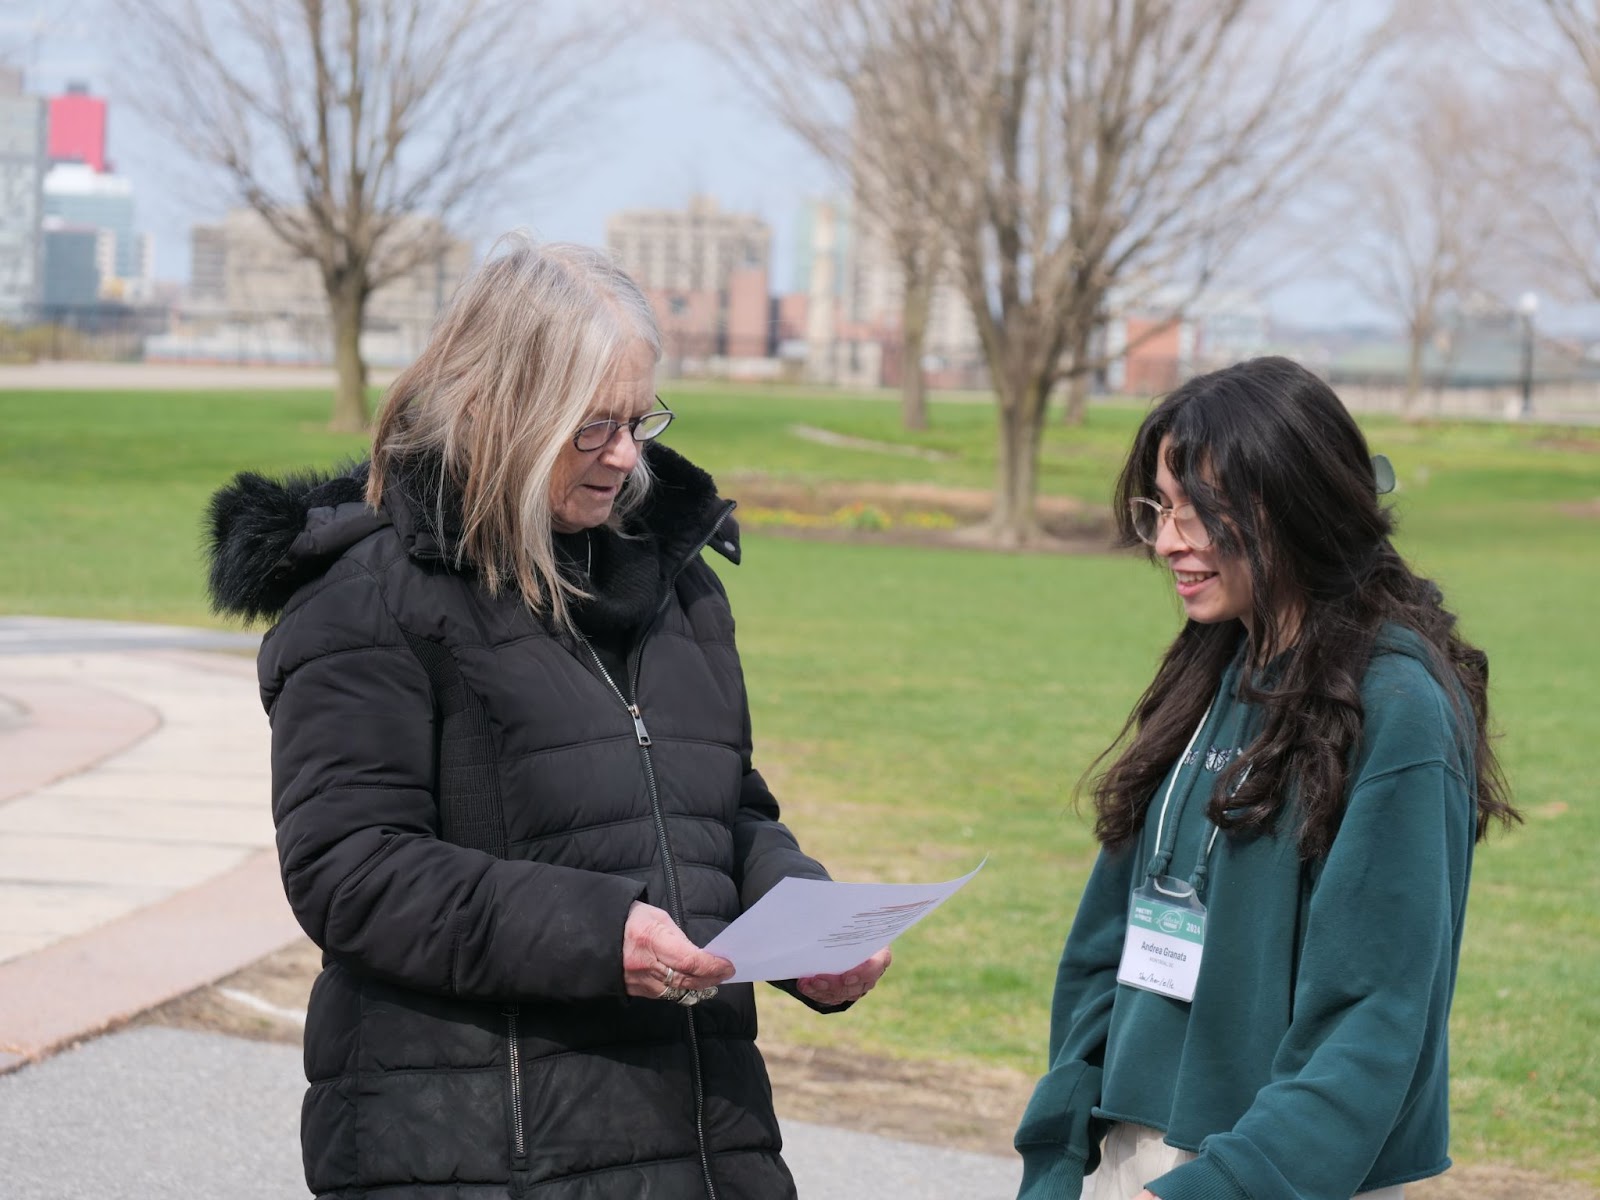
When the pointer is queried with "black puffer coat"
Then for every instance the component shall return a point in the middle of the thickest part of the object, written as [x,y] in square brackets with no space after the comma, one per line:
[470,1034]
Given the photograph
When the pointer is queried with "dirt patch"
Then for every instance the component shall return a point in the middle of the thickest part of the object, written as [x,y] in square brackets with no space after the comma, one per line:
[1571,443]
[964,1107]
[1586,509]
[939,1104]
[1487,1181]
[282,980]
[907,513]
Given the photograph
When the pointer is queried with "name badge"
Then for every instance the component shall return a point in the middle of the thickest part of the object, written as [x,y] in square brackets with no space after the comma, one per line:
[1166,936]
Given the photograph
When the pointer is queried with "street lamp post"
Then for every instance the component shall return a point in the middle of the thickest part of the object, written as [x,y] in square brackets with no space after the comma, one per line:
[1527,306]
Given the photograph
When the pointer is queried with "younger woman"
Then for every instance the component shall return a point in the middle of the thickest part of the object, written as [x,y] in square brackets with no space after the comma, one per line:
[1253,999]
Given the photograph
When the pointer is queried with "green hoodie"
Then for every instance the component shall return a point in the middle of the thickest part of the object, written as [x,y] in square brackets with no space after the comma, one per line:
[1312,1061]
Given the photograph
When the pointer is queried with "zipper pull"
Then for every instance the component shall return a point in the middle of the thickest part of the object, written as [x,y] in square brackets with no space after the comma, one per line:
[639,731]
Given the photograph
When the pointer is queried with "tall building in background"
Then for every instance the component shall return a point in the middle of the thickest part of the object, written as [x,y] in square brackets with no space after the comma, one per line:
[208,264]
[705,273]
[876,295]
[71,272]
[22,166]
[853,288]
[252,298]
[81,196]
[825,232]
[689,250]
[78,128]
[243,267]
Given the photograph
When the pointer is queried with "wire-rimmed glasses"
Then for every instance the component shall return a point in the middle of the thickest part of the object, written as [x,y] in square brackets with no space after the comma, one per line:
[1147,516]
[596,435]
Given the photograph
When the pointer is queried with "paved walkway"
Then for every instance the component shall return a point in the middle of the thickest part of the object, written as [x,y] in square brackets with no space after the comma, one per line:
[136,864]
[245,1096]
[171,377]
[135,841]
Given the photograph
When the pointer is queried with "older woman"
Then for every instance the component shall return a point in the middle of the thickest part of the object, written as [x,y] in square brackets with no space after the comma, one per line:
[512,770]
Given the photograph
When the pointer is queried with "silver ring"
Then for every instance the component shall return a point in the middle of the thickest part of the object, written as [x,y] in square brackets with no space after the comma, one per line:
[674,993]
[672,973]
[690,998]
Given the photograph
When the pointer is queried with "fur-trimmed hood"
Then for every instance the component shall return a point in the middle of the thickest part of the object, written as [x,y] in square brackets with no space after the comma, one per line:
[267,538]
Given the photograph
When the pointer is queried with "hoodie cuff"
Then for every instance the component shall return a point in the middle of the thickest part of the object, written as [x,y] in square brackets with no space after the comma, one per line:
[1050,1173]
[1203,1179]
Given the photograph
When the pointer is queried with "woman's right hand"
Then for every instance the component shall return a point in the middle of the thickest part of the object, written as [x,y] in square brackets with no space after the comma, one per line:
[657,956]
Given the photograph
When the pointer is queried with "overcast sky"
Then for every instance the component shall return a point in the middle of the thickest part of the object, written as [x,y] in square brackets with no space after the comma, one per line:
[677,125]
[680,124]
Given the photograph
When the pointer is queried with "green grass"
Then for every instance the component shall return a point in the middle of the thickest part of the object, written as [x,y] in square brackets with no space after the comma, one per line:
[919,709]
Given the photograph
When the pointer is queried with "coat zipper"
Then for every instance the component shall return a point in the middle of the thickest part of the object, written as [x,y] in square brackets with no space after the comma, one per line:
[674,900]
[519,1145]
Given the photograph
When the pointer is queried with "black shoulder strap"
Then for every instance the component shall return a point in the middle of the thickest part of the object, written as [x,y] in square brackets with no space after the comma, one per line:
[470,811]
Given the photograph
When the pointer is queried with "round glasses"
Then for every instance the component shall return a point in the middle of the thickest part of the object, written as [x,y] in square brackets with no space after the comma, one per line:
[596,435]
[1148,514]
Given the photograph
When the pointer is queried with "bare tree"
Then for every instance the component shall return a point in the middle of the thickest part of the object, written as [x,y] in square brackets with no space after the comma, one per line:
[357,129]
[1429,202]
[1106,146]
[1551,63]
[836,73]
[1072,151]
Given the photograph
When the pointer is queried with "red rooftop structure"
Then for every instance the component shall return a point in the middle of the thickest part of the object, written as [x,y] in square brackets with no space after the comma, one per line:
[78,128]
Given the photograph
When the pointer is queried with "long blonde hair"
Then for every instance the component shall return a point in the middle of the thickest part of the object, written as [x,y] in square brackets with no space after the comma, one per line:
[508,374]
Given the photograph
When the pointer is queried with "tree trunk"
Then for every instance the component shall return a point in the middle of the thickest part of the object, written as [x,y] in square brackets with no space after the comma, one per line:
[347,302]
[914,308]
[1021,424]
[1079,379]
[1413,372]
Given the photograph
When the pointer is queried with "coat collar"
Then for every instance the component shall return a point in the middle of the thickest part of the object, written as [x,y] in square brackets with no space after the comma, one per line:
[266,538]
[681,514]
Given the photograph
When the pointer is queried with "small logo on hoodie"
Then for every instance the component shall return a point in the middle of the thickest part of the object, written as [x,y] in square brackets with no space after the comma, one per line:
[1216,758]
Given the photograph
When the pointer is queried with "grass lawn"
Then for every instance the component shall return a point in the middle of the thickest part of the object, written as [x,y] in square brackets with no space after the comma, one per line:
[918,709]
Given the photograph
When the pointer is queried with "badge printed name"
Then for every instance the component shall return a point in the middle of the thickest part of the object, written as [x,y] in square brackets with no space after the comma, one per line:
[1161,952]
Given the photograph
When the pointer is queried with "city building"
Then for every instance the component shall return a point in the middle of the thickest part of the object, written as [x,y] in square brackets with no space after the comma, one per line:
[70,274]
[79,196]
[854,289]
[689,250]
[789,323]
[825,232]
[23,128]
[951,350]
[78,128]
[705,272]
[208,264]
[252,298]
[1157,337]
[749,313]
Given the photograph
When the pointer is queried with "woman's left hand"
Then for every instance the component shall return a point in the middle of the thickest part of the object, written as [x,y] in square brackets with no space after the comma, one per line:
[848,985]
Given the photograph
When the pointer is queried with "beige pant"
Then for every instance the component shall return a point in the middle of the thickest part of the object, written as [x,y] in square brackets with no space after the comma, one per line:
[1133,1155]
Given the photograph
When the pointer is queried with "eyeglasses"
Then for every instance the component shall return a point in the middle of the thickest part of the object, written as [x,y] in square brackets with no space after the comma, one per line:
[597,435]
[1148,514]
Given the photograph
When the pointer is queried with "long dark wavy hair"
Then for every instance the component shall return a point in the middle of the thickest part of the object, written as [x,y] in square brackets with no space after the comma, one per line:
[1282,478]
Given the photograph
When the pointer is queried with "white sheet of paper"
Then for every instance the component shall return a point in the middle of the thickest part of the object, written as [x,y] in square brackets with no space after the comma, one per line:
[820,927]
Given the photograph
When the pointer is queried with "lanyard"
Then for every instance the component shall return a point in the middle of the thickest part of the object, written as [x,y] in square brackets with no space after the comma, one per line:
[1158,865]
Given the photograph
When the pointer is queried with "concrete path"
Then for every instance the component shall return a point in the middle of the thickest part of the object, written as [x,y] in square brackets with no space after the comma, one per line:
[171,377]
[199,1114]
[136,864]
[135,840]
